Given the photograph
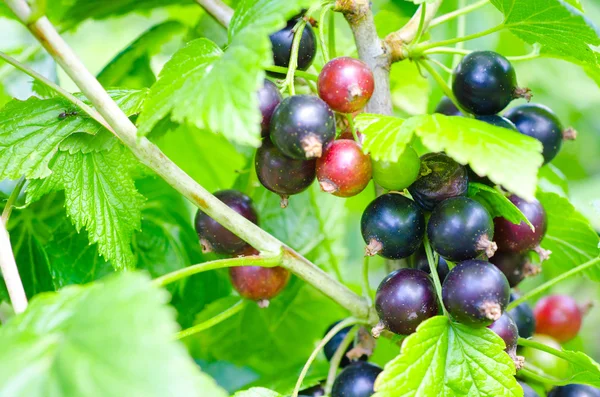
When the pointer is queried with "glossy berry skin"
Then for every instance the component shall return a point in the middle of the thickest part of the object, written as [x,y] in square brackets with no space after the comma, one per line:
[520,238]
[404,299]
[259,283]
[461,228]
[475,293]
[547,363]
[523,318]
[440,178]
[498,121]
[527,390]
[447,107]
[356,380]
[539,122]
[392,226]
[281,174]
[419,261]
[301,126]
[344,170]
[331,347]
[558,316]
[346,84]
[281,42]
[506,328]
[513,266]
[213,236]
[400,174]
[268,99]
[575,390]
[315,391]
[484,82]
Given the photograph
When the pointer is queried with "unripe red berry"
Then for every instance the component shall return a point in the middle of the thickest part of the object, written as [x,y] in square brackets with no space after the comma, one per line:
[344,170]
[346,84]
[558,316]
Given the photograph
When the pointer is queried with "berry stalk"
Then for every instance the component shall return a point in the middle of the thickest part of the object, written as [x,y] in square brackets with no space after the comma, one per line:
[434,273]
[219,318]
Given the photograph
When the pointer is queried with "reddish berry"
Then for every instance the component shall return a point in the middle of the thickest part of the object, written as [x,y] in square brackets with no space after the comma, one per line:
[344,170]
[520,238]
[506,328]
[346,84]
[514,266]
[558,316]
[259,283]
[268,99]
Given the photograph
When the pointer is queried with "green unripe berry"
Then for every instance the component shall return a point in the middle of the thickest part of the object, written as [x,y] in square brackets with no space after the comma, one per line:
[399,175]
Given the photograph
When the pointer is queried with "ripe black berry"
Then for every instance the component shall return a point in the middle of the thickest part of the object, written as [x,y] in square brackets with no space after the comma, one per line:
[315,391]
[356,380]
[331,347]
[527,390]
[301,126]
[506,328]
[523,317]
[475,293]
[440,177]
[498,121]
[215,237]
[346,84]
[268,99]
[447,107]
[520,238]
[406,298]
[514,266]
[281,174]
[485,82]
[539,122]
[419,261]
[461,228]
[575,391]
[282,46]
[392,226]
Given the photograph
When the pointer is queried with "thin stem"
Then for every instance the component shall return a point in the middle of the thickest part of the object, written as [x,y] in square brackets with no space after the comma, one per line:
[219,10]
[421,23]
[551,283]
[434,274]
[537,378]
[254,260]
[54,87]
[239,306]
[446,50]
[12,199]
[366,287]
[447,91]
[22,57]
[339,354]
[461,30]
[528,57]
[10,273]
[293,63]
[332,51]
[441,66]
[459,12]
[545,348]
[297,73]
[419,49]
[352,127]
[337,328]
[408,33]
[322,16]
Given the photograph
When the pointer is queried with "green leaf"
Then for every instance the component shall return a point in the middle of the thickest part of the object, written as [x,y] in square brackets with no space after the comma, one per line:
[552,180]
[257,392]
[560,29]
[111,338]
[131,68]
[385,136]
[497,203]
[570,237]
[410,90]
[215,90]
[449,359]
[576,4]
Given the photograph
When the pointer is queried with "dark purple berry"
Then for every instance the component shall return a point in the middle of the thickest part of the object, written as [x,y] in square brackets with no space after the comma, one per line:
[356,380]
[575,391]
[392,226]
[527,390]
[268,99]
[301,126]
[217,238]
[315,391]
[485,82]
[281,42]
[498,121]
[440,178]
[539,122]
[514,266]
[419,261]
[331,347]
[258,283]
[406,298]
[520,238]
[475,293]
[447,107]
[461,228]
[506,328]
[281,174]
[523,317]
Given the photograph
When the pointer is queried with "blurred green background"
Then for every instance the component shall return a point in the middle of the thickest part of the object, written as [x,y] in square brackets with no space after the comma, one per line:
[564,87]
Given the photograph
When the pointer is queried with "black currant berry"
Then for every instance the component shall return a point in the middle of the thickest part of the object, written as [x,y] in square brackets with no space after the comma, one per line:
[520,238]
[514,266]
[506,328]
[215,237]
[527,390]
[447,107]
[281,174]
[356,380]
[498,121]
[301,126]
[315,391]
[440,177]
[419,261]
[392,226]
[282,46]
[539,122]
[475,293]
[523,317]
[406,298]
[485,82]
[575,391]
[331,347]
[268,99]
[461,228]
